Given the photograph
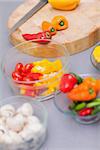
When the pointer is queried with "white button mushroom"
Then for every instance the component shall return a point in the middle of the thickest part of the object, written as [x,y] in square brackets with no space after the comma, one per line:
[32,120]
[7,111]
[32,132]
[27,134]
[9,137]
[16,138]
[16,123]
[26,110]
[36,128]
[33,129]
[3,131]
[6,139]
[2,121]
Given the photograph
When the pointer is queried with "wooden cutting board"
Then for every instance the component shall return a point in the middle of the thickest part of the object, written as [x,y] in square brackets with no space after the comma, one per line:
[84,24]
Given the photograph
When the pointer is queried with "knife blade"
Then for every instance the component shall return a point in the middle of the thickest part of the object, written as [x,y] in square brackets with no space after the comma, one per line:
[28,15]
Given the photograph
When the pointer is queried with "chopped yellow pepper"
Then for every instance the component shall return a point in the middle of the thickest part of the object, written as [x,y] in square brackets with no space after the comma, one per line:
[52,72]
[46,67]
[96,54]
[22,91]
[48,92]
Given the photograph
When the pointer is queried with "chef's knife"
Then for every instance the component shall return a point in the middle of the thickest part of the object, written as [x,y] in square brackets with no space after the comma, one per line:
[28,15]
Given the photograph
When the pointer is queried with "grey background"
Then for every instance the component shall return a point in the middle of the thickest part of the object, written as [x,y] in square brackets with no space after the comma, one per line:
[63,132]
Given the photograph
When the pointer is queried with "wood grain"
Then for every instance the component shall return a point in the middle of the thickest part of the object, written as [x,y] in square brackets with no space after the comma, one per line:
[84,24]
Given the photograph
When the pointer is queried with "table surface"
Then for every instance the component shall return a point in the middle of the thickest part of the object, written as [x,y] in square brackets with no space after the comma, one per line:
[63,132]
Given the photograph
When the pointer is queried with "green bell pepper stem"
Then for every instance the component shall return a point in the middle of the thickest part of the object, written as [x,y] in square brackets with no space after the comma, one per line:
[61,23]
[79,79]
[80,106]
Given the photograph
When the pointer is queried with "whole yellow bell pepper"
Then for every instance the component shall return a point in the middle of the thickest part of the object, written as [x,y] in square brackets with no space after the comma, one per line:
[64,4]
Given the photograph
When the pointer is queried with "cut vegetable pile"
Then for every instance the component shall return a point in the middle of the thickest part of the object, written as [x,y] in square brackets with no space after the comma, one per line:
[40,78]
[82,92]
[58,23]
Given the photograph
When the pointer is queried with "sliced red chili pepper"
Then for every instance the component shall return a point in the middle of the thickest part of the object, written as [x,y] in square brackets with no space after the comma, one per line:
[27,68]
[30,93]
[29,37]
[19,67]
[35,76]
[39,37]
[17,76]
[27,79]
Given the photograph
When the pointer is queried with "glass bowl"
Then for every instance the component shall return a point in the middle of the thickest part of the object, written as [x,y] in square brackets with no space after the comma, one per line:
[62,103]
[95,64]
[29,52]
[39,111]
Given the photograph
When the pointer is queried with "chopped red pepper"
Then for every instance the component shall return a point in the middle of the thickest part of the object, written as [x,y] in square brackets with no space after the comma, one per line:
[39,37]
[27,68]
[19,67]
[17,76]
[29,37]
[35,76]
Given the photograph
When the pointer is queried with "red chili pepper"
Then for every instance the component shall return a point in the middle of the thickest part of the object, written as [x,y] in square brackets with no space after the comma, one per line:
[29,92]
[19,67]
[17,76]
[35,76]
[27,68]
[39,37]
[23,74]
[27,79]
[44,36]
[29,37]
[85,112]
[67,83]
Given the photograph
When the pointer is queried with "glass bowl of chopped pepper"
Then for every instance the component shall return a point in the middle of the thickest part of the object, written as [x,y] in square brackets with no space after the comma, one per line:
[95,57]
[36,74]
[80,97]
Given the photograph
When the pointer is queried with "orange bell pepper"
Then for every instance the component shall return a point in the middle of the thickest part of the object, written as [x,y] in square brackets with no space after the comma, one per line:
[98,82]
[60,23]
[82,92]
[94,83]
[47,26]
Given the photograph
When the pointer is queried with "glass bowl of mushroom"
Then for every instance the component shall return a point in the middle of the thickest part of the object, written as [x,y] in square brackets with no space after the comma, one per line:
[23,123]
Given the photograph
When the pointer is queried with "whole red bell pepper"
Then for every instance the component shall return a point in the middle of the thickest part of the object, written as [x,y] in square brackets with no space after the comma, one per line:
[67,83]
